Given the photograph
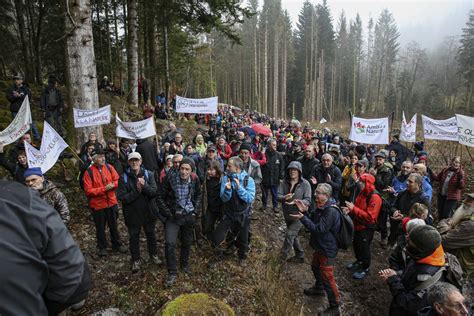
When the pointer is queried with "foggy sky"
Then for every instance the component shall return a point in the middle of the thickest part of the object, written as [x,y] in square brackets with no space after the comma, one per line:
[426,21]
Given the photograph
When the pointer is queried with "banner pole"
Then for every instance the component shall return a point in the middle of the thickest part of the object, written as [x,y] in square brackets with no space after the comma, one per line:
[75,154]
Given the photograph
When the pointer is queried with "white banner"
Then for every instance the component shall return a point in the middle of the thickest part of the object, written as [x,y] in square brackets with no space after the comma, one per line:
[83,118]
[198,106]
[440,129]
[19,126]
[369,131]
[135,130]
[408,130]
[52,145]
[465,129]
[322,121]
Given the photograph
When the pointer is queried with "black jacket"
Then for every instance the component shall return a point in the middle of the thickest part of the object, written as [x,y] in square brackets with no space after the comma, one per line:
[44,101]
[42,267]
[136,205]
[274,170]
[15,169]
[149,154]
[405,201]
[15,102]
[321,173]
[308,165]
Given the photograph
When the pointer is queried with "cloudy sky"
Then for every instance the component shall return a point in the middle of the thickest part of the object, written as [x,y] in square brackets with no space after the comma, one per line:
[426,21]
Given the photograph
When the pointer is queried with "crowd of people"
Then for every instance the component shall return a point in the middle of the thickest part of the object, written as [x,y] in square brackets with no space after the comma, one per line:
[205,190]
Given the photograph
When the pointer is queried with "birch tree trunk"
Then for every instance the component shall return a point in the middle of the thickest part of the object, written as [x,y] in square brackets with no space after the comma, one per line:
[132,52]
[80,60]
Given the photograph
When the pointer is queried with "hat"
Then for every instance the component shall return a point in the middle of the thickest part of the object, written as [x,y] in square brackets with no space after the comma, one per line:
[97,151]
[425,240]
[381,154]
[169,157]
[412,223]
[134,155]
[188,161]
[17,77]
[246,146]
[36,171]
[211,148]
[363,162]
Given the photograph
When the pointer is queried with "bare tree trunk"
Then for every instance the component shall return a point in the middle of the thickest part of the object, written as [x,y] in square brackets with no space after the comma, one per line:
[19,10]
[167,64]
[265,70]
[275,73]
[132,52]
[118,50]
[80,59]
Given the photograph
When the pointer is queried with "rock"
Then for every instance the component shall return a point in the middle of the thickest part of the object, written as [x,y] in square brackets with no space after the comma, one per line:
[191,304]
[109,312]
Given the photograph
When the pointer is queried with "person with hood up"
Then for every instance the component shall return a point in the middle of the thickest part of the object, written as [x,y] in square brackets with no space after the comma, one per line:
[294,187]
[364,213]
[424,268]
[201,146]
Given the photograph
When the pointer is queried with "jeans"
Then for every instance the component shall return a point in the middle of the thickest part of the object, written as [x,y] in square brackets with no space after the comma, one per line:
[101,218]
[134,237]
[239,230]
[445,207]
[54,119]
[274,191]
[323,270]
[291,239]
[361,243]
[173,226]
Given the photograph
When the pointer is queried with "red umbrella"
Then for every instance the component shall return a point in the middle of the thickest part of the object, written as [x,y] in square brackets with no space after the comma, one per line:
[259,128]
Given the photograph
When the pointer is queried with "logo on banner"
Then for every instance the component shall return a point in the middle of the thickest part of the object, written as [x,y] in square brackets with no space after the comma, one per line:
[359,128]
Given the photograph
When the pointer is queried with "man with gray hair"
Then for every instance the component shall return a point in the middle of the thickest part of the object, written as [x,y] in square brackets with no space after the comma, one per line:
[327,172]
[445,300]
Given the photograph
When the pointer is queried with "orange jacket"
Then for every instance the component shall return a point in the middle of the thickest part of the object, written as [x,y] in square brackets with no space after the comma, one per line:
[98,197]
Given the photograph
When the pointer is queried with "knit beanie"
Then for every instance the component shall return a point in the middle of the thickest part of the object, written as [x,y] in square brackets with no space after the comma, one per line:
[246,146]
[33,171]
[423,241]
[189,161]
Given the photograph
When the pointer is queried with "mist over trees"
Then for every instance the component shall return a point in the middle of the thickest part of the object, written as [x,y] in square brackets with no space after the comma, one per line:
[247,53]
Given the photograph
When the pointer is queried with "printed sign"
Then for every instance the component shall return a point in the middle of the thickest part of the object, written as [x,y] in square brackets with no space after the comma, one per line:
[465,129]
[408,130]
[19,126]
[369,131]
[197,106]
[83,118]
[440,129]
[135,130]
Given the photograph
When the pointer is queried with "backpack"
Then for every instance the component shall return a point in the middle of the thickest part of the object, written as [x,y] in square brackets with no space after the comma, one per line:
[89,171]
[451,270]
[346,232]
[379,224]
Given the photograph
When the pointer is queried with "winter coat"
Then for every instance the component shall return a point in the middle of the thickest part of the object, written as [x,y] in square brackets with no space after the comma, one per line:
[44,101]
[321,173]
[364,215]
[98,197]
[136,205]
[274,170]
[427,188]
[113,158]
[259,157]
[308,165]
[40,259]
[149,154]
[324,223]
[238,201]
[16,102]
[167,193]
[398,257]
[15,169]
[399,183]
[254,171]
[456,183]
[459,240]
[51,195]
[225,152]
[405,201]
[383,179]
[347,173]
[302,191]
[212,191]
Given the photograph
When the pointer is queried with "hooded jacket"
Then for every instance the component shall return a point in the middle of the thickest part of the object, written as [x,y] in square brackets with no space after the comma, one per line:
[254,171]
[365,214]
[301,191]
[238,200]
[99,197]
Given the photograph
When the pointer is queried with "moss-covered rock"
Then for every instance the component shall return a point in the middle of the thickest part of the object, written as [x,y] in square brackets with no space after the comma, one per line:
[196,304]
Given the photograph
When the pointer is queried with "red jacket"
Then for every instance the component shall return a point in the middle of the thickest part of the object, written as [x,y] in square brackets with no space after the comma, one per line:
[456,183]
[364,215]
[259,157]
[226,154]
[99,198]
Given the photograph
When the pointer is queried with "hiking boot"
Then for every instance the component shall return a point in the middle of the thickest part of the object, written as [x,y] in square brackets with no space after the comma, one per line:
[156,260]
[187,270]
[102,252]
[353,266]
[136,266]
[170,280]
[331,310]
[275,210]
[314,291]
[78,305]
[121,249]
[359,275]
[296,259]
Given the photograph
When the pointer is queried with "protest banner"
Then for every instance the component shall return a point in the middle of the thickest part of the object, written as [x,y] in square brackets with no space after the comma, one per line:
[408,129]
[322,121]
[369,131]
[465,130]
[135,130]
[52,145]
[84,118]
[440,129]
[196,106]
[19,126]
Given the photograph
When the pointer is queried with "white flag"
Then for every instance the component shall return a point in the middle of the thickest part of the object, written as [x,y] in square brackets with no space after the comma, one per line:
[322,121]
[408,130]
[369,131]
[465,129]
[52,145]
[83,118]
[440,129]
[19,126]
[135,130]
[198,106]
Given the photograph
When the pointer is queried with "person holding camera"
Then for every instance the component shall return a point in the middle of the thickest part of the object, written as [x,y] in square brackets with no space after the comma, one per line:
[237,193]
[179,201]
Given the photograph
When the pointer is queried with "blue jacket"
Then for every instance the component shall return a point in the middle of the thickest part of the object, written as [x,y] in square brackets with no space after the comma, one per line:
[324,223]
[246,194]
[399,183]
[427,188]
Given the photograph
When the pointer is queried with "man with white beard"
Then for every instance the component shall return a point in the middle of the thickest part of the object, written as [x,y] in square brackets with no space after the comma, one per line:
[457,235]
